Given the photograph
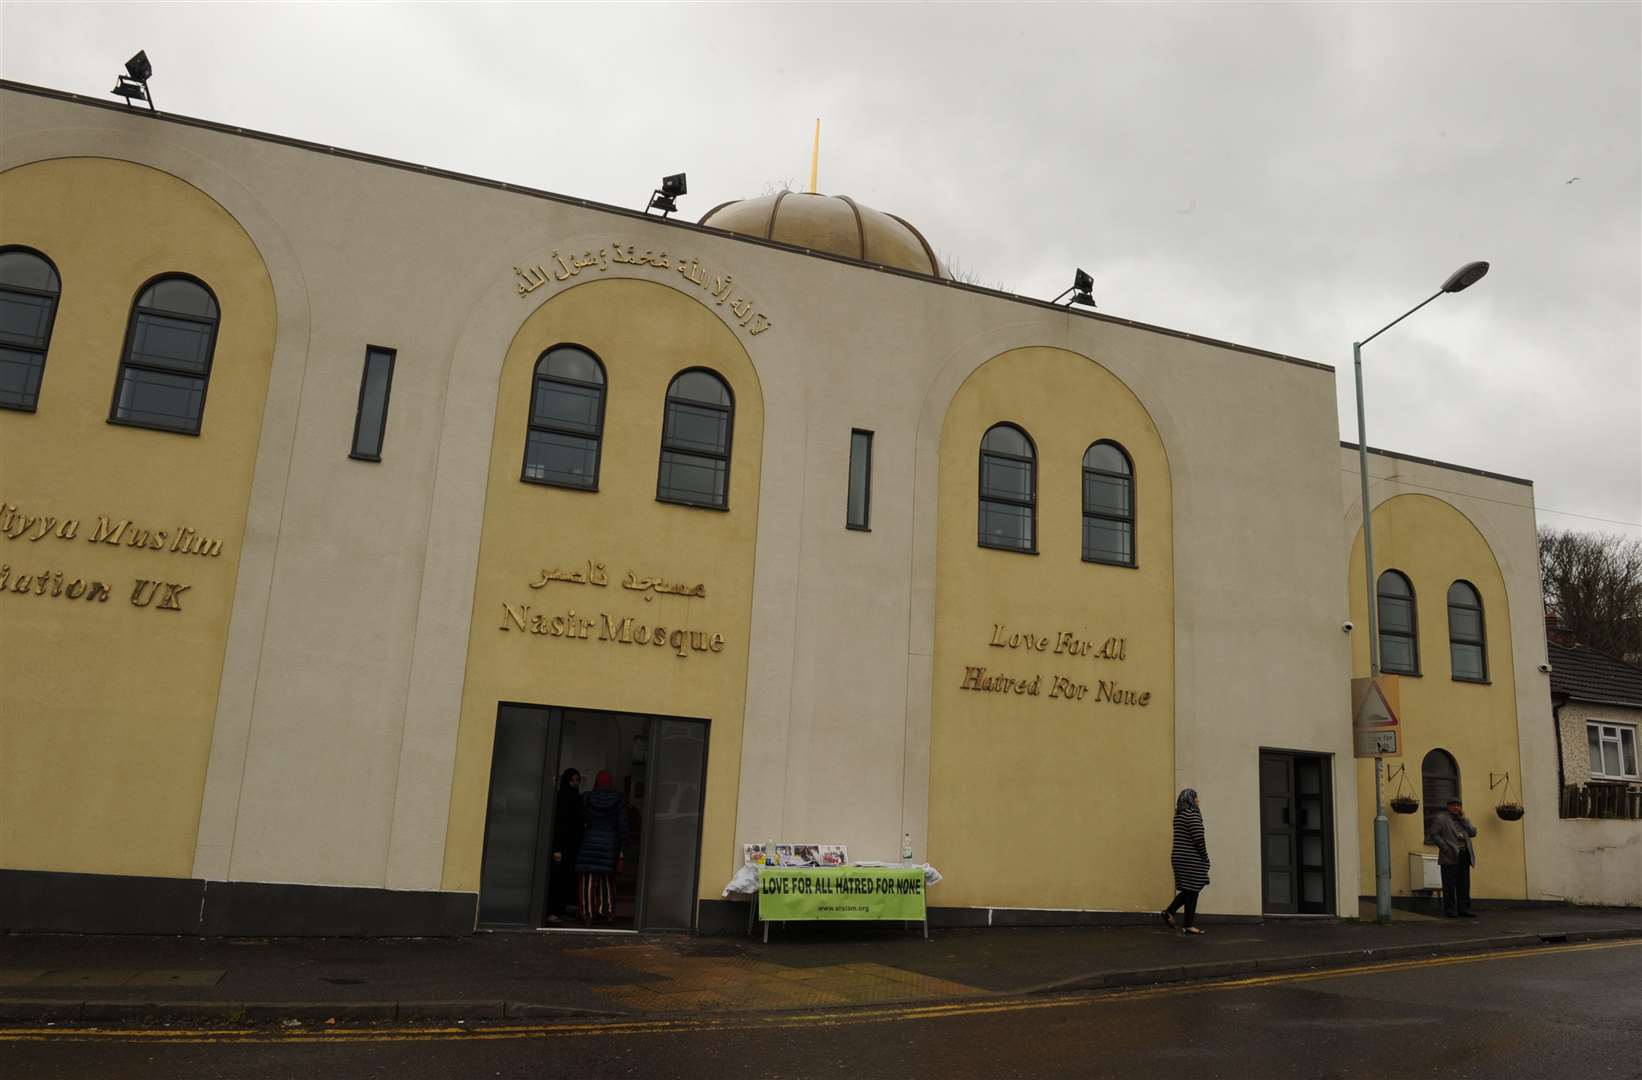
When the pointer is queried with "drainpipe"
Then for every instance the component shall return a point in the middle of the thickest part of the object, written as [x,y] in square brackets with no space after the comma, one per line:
[1556,726]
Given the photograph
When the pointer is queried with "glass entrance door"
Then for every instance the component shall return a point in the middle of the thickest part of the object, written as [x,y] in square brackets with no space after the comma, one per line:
[1296,834]
[642,781]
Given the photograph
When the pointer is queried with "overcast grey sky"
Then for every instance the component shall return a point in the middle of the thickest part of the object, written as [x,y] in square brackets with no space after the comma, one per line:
[1288,177]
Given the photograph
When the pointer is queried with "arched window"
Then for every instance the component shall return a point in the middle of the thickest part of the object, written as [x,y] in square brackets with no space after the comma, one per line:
[29,288]
[1108,505]
[1009,489]
[1439,782]
[695,441]
[1467,644]
[167,360]
[566,432]
[1399,636]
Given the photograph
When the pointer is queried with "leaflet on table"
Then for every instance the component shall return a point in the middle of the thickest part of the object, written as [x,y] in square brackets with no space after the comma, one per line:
[796,854]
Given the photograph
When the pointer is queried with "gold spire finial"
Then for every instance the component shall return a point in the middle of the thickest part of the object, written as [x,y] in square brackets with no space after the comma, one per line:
[815,155]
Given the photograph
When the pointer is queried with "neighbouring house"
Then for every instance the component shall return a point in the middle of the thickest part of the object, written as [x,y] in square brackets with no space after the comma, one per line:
[1596,706]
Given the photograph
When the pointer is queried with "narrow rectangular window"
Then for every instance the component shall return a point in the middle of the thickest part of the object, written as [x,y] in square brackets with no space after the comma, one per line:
[860,494]
[371,422]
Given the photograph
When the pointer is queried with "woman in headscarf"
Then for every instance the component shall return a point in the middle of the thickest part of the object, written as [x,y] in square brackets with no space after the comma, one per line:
[568,822]
[599,860]
[1190,859]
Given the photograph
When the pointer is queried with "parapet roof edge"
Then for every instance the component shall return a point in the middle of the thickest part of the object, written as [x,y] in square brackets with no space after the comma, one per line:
[1439,464]
[590,204]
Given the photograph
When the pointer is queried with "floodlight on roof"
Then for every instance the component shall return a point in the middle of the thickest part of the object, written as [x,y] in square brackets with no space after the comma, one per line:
[133,85]
[138,67]
[1081,292]
[665,198]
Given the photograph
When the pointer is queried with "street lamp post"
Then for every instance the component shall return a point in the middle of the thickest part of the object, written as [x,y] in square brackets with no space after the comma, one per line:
[1463,278]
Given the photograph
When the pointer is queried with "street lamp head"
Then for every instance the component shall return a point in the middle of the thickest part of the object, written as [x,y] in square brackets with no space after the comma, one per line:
[1465,277]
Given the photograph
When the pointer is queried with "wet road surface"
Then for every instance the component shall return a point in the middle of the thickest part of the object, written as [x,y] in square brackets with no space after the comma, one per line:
[1561,1011]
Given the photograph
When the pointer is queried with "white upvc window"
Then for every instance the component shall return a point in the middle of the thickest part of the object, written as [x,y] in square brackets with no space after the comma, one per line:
[1613,750]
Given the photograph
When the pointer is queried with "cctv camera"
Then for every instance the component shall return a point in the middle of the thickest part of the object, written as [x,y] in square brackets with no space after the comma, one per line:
[1545,669]
[1348,626]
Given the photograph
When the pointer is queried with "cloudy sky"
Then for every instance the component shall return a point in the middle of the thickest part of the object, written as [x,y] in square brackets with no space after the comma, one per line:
[1285,176]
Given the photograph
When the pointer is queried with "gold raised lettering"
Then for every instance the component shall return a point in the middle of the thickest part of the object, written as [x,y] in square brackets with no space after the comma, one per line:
[517,617]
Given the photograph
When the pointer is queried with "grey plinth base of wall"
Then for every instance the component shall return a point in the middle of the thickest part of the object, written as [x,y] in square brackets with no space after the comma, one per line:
[41,900]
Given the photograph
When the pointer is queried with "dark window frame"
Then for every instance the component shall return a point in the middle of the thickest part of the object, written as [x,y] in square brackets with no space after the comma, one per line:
[130,337]
[982,498]
[1481,642]
[1427,796]
[603,388]
[729,438]
[1133,561]
[1413,635]
[387,397]
[51,321]
[865,524]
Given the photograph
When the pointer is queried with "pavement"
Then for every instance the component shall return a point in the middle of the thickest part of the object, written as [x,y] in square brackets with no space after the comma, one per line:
[488,977]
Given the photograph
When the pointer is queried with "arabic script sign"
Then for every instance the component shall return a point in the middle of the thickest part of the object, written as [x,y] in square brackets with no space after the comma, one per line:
[722,287]
[615,627]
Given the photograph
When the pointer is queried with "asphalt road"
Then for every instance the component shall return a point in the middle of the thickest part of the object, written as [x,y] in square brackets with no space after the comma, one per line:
[1561,1011]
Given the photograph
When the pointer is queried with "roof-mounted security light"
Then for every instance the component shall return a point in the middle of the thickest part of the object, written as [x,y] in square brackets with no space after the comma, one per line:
[134,83]
[665,198]
[1081,292]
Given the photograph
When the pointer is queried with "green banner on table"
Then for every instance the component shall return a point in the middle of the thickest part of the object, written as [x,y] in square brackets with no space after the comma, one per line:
[788,893]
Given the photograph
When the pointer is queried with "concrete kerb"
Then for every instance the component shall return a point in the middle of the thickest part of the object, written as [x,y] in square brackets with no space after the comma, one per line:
[1184,973]
[20,1010]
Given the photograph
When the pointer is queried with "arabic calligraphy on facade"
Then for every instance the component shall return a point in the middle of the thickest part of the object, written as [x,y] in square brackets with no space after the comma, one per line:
[593,572]
[722,287]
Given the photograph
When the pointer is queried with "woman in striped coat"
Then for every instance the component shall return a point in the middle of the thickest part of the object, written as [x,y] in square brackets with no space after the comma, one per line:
[1190,859]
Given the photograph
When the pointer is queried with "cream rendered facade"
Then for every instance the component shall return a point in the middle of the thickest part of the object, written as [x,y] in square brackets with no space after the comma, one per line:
[361,623]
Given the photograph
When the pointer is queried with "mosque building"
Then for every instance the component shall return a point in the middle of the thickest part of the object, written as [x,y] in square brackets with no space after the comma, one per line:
[345,504]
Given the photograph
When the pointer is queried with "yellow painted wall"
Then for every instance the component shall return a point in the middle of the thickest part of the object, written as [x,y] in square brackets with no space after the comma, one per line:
[645,334]
[1434,545]
[106,708]
[1041,801]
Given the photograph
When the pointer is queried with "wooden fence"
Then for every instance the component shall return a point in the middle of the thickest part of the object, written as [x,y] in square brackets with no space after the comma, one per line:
[1602,801]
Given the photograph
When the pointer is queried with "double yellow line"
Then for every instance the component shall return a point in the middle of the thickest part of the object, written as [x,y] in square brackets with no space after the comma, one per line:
[758,1021]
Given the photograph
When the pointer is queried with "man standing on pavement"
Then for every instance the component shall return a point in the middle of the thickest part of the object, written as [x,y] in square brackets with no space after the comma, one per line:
[1452,833]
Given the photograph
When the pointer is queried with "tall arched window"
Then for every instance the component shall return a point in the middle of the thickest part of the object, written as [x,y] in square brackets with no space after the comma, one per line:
[566,432]
[1439,782]
[29,288]
[1009,489]
[167,359]
[1108,505]
[1467,645]
[1399,635]
[696,429]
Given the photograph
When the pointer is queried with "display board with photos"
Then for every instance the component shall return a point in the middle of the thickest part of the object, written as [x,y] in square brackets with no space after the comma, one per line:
[796,854]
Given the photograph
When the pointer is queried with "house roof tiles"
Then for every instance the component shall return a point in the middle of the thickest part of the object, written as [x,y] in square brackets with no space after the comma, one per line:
[1582,674]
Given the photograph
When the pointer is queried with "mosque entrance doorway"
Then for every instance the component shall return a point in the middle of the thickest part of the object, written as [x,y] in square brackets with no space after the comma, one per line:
[572,788]
[1296,833]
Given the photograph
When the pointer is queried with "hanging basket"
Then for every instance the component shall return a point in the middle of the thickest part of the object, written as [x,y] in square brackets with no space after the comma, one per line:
[1403,802]
[1509,808]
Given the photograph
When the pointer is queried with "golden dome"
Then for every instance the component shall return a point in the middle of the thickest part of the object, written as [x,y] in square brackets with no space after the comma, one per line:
[836,224]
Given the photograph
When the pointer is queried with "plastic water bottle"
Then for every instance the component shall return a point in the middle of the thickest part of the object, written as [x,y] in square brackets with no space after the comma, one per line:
[906,847]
